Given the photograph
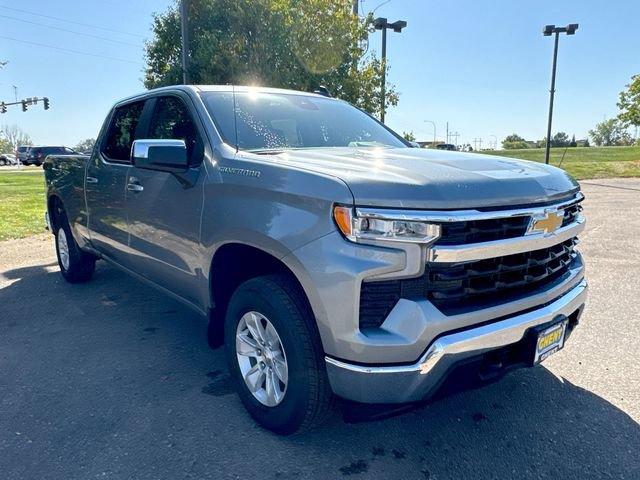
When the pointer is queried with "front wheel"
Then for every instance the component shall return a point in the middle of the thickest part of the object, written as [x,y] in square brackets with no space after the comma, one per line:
[75,265]
[275,356]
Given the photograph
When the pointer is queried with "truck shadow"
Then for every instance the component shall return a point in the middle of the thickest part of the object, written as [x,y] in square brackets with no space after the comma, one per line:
[530,424]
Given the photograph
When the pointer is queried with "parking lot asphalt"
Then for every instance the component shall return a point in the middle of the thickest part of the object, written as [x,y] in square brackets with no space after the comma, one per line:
[113,380]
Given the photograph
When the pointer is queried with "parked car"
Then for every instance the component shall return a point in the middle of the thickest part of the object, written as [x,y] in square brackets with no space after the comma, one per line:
[36,155]
[446,146]
[328,257]
[22,152]
[8,159]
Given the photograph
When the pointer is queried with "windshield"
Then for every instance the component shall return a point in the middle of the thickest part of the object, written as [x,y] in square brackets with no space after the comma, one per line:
[273,121]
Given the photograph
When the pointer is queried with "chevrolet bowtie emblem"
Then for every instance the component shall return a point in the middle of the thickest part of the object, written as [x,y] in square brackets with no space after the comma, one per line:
[548,222]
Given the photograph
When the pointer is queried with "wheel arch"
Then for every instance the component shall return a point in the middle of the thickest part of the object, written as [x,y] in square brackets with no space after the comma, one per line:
[234,263]
[55,207]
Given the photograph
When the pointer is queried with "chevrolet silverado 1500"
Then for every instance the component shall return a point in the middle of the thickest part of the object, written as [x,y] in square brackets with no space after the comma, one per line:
[329,257]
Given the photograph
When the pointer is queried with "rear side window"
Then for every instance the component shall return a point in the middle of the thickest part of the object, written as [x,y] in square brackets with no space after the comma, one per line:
[122,131]
[172,120]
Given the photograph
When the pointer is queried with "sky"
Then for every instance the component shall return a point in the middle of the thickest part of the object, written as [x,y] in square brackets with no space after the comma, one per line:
[483,67]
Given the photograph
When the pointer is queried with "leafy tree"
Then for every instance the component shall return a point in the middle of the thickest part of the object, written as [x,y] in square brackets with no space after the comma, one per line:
[560,139]
[85,145]
[573,142]
[15,136]
[629,103]
[297,44]
[610,132]
[5,146]
[409,136]
[514,141]
[513,138]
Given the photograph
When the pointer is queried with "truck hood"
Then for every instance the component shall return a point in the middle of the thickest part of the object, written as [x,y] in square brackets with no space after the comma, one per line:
[421,178]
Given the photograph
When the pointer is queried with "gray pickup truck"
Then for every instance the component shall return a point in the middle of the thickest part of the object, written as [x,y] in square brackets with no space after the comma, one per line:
[330,258]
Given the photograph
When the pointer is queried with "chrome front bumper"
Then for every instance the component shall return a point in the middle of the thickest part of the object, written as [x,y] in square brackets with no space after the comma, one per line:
[407,383]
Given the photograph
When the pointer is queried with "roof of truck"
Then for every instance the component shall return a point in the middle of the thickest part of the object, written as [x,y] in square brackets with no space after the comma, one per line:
[220,88]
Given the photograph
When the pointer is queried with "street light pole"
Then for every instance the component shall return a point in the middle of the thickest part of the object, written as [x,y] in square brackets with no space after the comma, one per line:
[552,94]
[548,31]
[383,87]
[381,23]
[184,31]
[434,131]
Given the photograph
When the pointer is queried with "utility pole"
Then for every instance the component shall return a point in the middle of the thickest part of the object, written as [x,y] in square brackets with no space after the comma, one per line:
[455,135]
[547,32]
[184,30]
[355,7]
[15,92]
[447,132]
[381,23]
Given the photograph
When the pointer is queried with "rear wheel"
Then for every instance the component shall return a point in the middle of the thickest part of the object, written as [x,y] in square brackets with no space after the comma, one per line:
[75,265]
[275,356]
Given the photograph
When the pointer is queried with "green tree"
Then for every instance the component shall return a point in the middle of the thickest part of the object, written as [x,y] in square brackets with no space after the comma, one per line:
[560,139]
[610,132]
[297,44]
[5,146]
[85,145]
[409,136]
[629,103]
[513,142]
[573,142]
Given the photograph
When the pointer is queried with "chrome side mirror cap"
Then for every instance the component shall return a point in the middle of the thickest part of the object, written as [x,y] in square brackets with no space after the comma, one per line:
[160,154]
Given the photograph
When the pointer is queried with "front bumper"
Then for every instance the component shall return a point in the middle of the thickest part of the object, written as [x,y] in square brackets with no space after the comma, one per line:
[420,380]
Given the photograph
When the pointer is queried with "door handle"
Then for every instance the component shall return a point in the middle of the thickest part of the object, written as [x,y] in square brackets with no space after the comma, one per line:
[134,185]
[92,180]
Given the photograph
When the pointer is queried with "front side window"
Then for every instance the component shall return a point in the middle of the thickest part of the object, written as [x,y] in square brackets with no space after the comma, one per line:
[265,121]
[172,120]
[122,131]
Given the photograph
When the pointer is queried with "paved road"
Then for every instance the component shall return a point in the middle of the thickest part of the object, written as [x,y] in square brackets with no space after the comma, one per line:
[112,380]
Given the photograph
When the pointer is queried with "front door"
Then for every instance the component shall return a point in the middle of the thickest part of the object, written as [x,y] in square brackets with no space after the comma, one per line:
[105,181]
[164,212]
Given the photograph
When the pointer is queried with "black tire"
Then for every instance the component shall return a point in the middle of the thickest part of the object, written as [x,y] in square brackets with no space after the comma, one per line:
[80,264]
[308,399]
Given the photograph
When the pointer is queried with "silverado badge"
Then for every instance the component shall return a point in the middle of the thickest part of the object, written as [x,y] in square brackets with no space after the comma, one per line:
[547,222]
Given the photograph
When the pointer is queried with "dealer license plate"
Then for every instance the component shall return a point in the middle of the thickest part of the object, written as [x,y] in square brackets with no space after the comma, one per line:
[550,340]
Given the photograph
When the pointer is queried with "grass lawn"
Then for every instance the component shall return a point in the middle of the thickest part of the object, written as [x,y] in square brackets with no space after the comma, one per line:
[21,203]
[588,162]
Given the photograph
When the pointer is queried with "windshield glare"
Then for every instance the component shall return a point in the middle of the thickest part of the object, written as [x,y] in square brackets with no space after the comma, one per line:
[272,121]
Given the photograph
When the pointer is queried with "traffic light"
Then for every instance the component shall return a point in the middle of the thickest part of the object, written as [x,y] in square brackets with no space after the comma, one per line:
[24,105]
[45,100]
[3,108]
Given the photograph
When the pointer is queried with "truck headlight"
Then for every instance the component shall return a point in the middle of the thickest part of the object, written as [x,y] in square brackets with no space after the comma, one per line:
[383,228]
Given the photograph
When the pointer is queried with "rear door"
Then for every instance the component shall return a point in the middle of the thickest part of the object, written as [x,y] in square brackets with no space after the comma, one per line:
[164,213]
[105,182]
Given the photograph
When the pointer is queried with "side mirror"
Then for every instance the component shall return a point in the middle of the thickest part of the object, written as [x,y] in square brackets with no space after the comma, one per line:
[414,144]
[162,155]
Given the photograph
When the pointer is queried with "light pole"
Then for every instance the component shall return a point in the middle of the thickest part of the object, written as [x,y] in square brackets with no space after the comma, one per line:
[381,23]
[547,32]
[434,131]
[184,31]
